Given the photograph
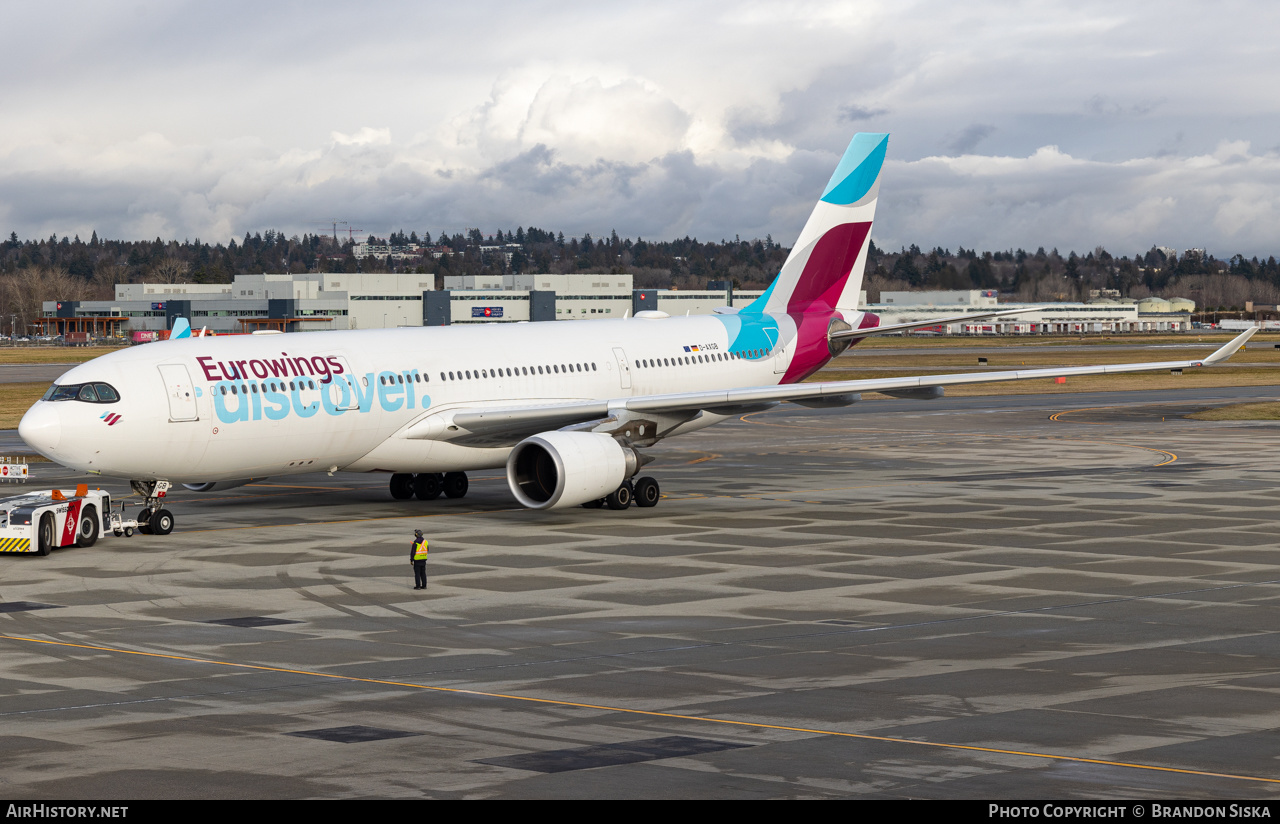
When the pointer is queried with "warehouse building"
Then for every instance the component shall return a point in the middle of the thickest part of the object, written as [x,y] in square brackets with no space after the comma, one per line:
[514,298]
[1102,315]
[314,301]
[291,303]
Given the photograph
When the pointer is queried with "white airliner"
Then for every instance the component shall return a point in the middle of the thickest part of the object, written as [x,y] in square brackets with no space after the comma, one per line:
[567,408]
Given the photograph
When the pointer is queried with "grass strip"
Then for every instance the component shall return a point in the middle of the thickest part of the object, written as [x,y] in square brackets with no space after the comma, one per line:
[16,399]
[1269,411]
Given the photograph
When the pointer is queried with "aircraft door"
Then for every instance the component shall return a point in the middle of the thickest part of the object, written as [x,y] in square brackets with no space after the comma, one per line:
[779,349]
[624,369]
[180,391]
[341,388]
[780,359]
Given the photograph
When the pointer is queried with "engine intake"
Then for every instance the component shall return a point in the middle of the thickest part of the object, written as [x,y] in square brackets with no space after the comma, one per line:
[554,470]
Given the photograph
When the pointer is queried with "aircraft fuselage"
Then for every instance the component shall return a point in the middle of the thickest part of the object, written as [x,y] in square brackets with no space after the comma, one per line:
[223,408]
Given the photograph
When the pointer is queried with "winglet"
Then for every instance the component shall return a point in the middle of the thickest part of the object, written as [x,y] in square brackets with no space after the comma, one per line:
[1232,347]
[181,329]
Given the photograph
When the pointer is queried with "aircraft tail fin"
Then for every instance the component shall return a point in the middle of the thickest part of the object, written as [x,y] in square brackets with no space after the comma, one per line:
[825,267]
[181,329]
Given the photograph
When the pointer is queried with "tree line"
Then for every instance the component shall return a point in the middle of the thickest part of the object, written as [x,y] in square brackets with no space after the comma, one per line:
[1022,276]
[53,268]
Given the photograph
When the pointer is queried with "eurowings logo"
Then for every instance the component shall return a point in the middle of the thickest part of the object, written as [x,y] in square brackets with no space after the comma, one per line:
[110,417]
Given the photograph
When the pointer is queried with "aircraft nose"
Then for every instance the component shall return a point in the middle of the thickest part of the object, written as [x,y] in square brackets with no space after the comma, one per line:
[41,428]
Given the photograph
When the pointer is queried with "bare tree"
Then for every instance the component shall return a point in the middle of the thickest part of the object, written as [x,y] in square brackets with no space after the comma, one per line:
[24,292]
[170,270]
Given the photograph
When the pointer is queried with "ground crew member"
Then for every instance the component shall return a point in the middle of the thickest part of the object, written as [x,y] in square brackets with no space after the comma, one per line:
[418,557]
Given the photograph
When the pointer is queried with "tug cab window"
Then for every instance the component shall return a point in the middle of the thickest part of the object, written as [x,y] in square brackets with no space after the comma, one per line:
[85,392]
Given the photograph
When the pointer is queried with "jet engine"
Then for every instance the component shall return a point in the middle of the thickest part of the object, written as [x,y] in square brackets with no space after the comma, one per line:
[554,470]
[218,486]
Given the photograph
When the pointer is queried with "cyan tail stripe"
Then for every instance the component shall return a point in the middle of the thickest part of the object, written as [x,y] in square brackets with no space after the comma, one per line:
[181,329]
[756,306]
[858,169]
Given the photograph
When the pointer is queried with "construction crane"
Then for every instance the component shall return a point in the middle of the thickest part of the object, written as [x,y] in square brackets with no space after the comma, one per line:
[336,223]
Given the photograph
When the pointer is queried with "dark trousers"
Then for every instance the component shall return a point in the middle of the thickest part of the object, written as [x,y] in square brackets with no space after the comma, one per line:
[420,573]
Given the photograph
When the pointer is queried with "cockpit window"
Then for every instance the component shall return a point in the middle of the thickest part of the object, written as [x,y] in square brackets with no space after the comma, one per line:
[61,393]
[86,392]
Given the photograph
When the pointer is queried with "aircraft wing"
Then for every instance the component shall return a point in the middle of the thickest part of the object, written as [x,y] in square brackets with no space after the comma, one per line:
[894,328]
[508,424]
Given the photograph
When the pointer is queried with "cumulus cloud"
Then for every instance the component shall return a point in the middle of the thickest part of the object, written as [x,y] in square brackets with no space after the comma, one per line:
[853,113]
[587,118]
[968,138]
[1225,200]
[1013,123]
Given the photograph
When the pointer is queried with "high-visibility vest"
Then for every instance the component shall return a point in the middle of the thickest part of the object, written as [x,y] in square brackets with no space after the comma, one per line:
[420,550]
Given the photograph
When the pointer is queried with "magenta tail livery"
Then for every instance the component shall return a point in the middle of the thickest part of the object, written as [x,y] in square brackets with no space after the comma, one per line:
[569,409]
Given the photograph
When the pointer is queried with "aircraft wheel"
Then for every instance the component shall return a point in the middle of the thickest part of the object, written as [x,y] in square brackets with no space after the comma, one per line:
[619,498]
[87,534]
[455,484]
[647,492]
[401,486]
[144,522]
[428,486]
[44,537]
[162,522]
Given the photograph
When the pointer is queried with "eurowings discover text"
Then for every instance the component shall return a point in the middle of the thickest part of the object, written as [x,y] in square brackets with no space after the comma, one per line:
[50,811]
[339,393]
[1134,811]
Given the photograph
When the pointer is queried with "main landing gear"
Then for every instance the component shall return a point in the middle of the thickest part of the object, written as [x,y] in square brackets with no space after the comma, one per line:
[153,519]
[642,492]
[427,486]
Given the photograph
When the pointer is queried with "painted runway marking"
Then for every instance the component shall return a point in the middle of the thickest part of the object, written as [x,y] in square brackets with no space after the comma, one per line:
[651,713]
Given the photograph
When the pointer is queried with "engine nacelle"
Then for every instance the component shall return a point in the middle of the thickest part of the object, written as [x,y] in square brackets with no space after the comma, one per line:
[554,470]
[218,486]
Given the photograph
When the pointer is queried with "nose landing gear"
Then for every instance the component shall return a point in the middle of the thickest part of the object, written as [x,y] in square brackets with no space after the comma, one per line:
[154,519]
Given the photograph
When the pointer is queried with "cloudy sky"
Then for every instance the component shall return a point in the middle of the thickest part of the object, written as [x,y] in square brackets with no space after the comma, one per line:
[1013,124]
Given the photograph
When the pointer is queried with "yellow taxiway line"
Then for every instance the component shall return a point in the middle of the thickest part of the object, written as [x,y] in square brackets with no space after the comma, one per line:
[648,713]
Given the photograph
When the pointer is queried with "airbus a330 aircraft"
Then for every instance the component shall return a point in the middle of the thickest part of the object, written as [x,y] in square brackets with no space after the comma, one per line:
[568,408]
